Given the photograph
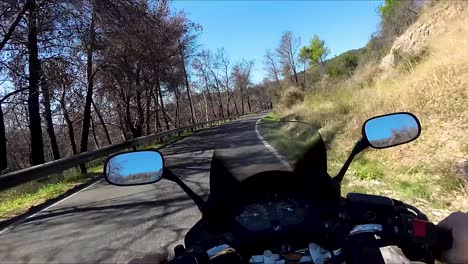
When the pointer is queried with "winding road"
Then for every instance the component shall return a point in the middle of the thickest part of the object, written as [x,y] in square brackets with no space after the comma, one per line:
[110,224]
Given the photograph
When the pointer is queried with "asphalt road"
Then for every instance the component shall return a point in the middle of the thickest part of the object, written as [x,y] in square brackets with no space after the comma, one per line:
[110,224]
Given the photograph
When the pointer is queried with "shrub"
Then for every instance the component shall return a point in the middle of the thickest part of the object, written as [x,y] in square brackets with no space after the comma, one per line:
[343,65]
[292,96]
[407,61]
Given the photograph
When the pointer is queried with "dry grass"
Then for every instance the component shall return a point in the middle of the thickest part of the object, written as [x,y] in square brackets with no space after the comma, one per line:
[426,172]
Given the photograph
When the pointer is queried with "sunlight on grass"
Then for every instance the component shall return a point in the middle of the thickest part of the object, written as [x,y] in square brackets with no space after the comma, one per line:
[19,199]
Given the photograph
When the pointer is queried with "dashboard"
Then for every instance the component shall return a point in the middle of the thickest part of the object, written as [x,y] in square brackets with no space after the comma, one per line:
[273,214]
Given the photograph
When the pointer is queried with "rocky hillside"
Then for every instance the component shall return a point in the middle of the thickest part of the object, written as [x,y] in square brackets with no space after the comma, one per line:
[434,22]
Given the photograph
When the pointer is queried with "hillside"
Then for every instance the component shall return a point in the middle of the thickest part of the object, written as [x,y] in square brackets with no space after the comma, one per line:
[426,73]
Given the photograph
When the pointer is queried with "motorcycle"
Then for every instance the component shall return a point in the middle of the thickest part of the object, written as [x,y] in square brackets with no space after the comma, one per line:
[298,215]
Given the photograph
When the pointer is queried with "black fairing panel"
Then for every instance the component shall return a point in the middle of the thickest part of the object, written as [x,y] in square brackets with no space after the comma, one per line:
[312,167]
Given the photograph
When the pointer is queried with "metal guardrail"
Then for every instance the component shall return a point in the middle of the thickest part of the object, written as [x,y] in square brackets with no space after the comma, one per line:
[57,166]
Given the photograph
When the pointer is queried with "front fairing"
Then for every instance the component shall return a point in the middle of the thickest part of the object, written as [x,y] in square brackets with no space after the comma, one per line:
[307,178]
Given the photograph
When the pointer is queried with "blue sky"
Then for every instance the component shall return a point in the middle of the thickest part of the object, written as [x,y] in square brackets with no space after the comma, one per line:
[137,162]
[247,28]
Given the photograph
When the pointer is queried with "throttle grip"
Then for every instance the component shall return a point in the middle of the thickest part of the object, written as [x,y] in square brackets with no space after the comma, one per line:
[442,240]
[437,239]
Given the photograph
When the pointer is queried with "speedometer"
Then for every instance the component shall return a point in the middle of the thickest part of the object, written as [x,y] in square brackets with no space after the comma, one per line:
[254,217]
[291,211]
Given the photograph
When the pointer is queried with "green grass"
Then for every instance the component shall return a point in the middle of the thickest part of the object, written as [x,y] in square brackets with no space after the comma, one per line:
[366,169]
[270,117]
[19,199]
[414,189]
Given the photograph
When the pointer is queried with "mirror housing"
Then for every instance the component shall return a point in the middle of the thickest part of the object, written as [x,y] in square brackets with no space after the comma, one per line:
[400,128]
[391,130]
[134,168]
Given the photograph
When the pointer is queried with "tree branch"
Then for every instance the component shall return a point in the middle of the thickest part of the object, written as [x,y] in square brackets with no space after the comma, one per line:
[13,26]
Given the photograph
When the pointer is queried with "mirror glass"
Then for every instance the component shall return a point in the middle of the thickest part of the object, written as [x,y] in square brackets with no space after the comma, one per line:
[134,168]
[391,130]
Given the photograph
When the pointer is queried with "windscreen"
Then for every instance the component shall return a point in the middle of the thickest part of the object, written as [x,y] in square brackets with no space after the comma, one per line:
[290,139]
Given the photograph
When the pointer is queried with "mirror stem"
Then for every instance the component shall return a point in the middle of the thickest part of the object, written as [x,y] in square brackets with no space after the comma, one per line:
[360,146]
[169,175]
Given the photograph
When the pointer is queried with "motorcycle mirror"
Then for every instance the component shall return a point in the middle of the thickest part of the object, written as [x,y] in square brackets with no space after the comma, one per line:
[383,132]
[391,130]
[134,168]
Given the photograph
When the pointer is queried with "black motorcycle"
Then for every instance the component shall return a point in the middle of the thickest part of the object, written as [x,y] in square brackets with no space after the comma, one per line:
[296,216]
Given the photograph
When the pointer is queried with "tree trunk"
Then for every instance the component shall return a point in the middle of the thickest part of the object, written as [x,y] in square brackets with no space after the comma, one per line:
[235,106]
[206,107]
[295,76]
[3,140]
[148,112]
[161,102]
[228,105]
[177,107]
[187,85]
[248,104]
[211,99]
[3,143]
[95,138]
[220,104]
[304,73]
[48,116]
[122,125]
[128,116]
[66,116]
[156,109]
[141,118]
[89,90]
[141,112]
[242,102]
[103,123]
[35,129]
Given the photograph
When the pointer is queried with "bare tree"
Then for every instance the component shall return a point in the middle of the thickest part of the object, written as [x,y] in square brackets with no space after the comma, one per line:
[241,75]
[288,53]
[271,66]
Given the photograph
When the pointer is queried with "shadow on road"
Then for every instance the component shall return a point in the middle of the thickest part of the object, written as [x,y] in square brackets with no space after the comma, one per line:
[107,223]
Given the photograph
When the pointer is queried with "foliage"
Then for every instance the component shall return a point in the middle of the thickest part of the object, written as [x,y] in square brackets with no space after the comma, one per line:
[344,65]
[388,8]
[316,52]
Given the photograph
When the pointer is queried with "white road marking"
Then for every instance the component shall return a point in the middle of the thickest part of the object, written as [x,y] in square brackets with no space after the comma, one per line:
[271,148]
[22,220]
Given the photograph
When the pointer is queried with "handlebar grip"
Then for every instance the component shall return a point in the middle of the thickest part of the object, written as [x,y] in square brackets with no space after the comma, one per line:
[442,240]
